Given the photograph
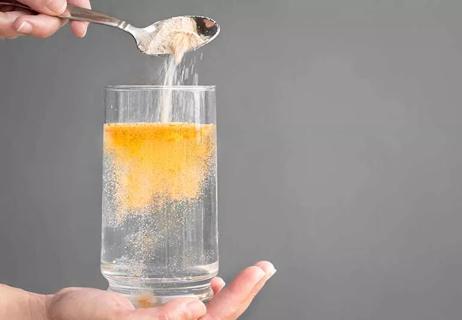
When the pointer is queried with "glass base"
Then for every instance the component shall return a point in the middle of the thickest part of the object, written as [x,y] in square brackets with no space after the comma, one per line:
[153,292]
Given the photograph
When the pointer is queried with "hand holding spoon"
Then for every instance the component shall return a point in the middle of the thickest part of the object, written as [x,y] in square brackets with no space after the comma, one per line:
[155,39]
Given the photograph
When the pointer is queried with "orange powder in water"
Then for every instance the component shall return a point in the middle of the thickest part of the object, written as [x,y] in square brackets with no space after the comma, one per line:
[158,162]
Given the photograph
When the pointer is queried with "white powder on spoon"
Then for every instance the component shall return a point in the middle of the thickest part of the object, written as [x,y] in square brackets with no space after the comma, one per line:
[176,36]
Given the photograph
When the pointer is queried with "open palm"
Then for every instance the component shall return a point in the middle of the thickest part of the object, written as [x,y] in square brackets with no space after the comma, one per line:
[227,304]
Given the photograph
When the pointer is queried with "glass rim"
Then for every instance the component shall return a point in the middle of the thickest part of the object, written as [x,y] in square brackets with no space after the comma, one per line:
[147,87]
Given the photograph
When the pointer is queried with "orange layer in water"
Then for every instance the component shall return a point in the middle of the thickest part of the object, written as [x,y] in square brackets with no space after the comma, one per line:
[158,162]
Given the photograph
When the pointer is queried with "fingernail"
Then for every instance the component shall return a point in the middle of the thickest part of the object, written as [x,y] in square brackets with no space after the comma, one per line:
[261,273]
[267,267]
[56,6]
[272,272]
[195,307]
[222,282]
[24,28]
[84,32]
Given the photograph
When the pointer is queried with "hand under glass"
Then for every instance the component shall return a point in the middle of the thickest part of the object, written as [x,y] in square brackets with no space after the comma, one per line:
[228,303]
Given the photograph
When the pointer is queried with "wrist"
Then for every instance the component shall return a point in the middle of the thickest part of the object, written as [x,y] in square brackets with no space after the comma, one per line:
[38,306]
[20,304]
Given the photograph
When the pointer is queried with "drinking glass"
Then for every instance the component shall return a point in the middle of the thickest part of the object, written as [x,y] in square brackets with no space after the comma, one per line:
[159,208]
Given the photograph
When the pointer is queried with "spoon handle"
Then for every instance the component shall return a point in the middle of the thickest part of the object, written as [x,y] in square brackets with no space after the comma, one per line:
[73,13]
[82,14]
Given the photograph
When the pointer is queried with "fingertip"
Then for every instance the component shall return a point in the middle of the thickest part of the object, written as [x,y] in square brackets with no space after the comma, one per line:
[256,271]
[269,270]
[217,284]
[220,281]
[22,26]
[79,28]
[246,280]
[267,267]
[40,26]
[233,300]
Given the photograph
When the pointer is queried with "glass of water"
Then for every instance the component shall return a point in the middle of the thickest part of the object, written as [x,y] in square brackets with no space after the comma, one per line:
[159,219]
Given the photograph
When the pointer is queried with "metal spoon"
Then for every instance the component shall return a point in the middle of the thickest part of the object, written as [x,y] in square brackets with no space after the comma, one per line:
[206,28]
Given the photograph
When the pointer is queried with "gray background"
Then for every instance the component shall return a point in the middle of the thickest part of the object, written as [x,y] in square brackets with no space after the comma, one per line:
[340,151]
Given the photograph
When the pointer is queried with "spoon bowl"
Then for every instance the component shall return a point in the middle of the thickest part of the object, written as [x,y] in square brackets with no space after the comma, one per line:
[155,39]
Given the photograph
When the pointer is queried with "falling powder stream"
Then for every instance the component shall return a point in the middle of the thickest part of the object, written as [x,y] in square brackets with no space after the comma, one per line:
[180,38]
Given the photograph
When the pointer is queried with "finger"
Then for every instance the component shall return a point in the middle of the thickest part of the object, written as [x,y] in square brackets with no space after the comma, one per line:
[232,301]
[270,270]
[217,284]
[79,28]
[51,7]
[40,26]
[179,309]
[228,303]
[6,24]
